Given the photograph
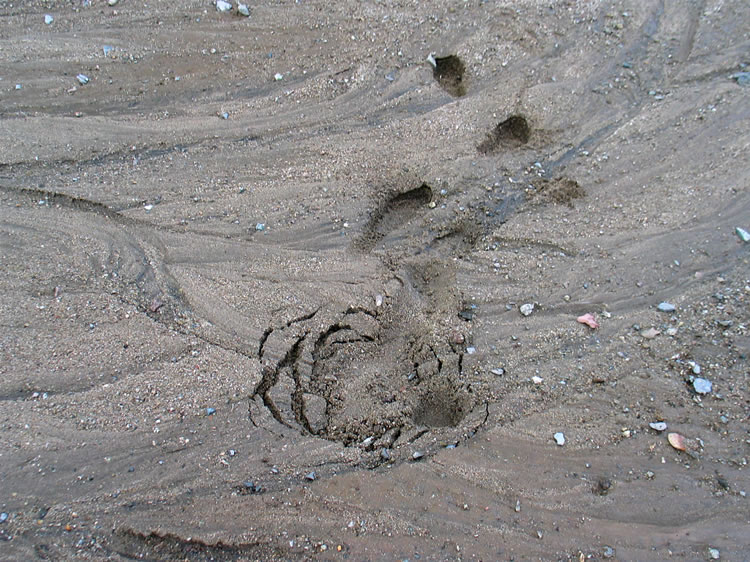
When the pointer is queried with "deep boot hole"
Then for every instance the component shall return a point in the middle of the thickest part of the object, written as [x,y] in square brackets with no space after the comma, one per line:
[449,72]
[514,131]
[414,197]
[439,408]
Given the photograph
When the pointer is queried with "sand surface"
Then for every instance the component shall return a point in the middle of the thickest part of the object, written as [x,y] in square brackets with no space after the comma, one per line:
[262,280]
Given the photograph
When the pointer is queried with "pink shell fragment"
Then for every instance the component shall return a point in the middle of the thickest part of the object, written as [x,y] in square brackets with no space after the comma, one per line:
[589,320]
[677,441]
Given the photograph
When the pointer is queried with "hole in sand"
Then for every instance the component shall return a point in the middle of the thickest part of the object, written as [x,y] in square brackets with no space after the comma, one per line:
[449,73]
[441,407]
[514,131]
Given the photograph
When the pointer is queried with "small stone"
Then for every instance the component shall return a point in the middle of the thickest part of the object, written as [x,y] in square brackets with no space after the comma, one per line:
[714,553]
[559,438]
[210,411]
[527,309]
[385,454]
[743,79]
[378,300]
[224,115]
[112,2]
[83,79]
[499,372]
[702,386]
[471,350]
[48,19]
[658,426]
[695,367]
[672,332]
[650,334]
[666,307]
[278,76]
[18,86]
[609,552]
[107,49]
[310,476]
[243,10]
[537,380]
[260,227]
[518,506]
[3,517]
[222,6]
[416,455]
[742,233]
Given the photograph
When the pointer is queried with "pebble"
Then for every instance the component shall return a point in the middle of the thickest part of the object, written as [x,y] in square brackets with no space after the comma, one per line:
[107,49]
[658,426]
[278,76]
[471,350]
[743,234]
[714,553]
[559,438]
[702,386]
[222,6]
[252,487]
[18,86]
[743,79]
[385,454]
[518,506]
[666,307]
[378,300]
[416,455]
[260,227]
[83,79]
[48,19]
[3,517]
[499,372]
[224,115]
[650,334]
[695,367]
[112,2]
[243,10]
[609,552]
[537,380]
[210,411]
[527,308]
[310,476]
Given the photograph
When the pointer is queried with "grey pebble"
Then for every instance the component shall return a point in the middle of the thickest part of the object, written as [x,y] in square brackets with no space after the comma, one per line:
[658,426]
[243,10]
[48,19]
[743,234]
[310,476]
[83,79]
[210,411]
[527,309]
[742,78]
[385,454]
[3,517]
[609,552]
[559,438]
[666,307]
[416,455]
[260,227]
[702,386]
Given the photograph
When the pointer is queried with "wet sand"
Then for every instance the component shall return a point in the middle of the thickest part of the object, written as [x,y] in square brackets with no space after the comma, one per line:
[262,281]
